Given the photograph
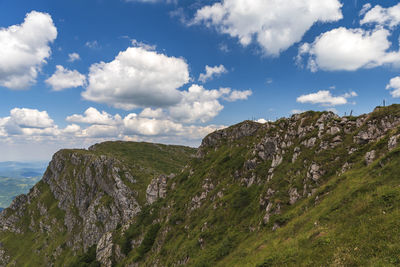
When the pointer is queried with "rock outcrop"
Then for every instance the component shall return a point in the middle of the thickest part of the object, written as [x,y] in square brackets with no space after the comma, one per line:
[157,188]
[91,191]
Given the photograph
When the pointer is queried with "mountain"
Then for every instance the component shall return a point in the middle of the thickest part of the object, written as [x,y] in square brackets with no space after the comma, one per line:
[314,189]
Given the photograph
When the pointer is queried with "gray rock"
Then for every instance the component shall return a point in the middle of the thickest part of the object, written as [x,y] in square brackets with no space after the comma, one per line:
[393,142]
[293,195]
[92,194]
[157,189]
[310,142]
[370,157]
[104,250]
[276,161]
[4,258]
[334,130]
[315,172]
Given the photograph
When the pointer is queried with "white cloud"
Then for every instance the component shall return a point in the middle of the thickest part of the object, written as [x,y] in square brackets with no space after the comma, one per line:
[65,78]
[238,95]
[27,122]
[144,126]
[72,129]
[152,113]
[365,8]
[145,46]
[30,118]
[137,78]
[93,116]
[37,135]
[212,72]
[24,49]
[150,123]
[274,25]
[197,104]
[102,131]
[262,120]
[73,57]
[349,49]
[383,16]
[200,104]
[395,85]
[325,98]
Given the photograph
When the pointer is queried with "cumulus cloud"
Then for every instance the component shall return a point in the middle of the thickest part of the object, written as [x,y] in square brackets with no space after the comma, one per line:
[274,25]
[24,49]
[65,78]
[93,116]
[31,118]
[137,78]
[149,123]
[197,104]
[200,104]
[144,126]
[382,16]
[349,49]
[325,98]
[212,72]
[73,57]
[27,122]
[36,127]
[152,113]
[238,95]
[394,84]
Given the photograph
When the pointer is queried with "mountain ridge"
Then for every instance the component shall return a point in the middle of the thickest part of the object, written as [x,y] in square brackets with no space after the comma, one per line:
[266,178]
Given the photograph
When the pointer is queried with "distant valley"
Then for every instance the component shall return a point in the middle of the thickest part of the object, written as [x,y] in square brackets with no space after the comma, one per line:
[17,178]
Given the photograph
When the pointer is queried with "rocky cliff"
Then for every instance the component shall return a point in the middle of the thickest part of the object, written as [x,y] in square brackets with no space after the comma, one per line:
[86,194]
[312,189]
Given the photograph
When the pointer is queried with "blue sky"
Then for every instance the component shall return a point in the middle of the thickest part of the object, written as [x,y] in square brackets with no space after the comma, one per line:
[73,73]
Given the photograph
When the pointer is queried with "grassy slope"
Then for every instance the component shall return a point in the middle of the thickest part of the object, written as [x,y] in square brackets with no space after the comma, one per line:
[354,223]
[353,219]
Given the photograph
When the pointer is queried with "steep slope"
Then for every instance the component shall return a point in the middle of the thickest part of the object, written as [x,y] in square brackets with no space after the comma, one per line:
[83,195]
[313,189]
[293,192]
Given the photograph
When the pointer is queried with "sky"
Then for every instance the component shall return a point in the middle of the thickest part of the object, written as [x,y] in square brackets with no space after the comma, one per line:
[74,73]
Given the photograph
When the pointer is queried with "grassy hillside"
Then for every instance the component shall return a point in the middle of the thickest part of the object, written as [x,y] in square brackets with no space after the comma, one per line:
[350,216]
[311,190]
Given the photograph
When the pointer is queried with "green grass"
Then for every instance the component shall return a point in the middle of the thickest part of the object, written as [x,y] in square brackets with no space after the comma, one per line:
[352,219]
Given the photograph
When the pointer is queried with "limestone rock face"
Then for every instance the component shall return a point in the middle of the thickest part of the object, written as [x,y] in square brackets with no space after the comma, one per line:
[157,188]
[246,128]
[104,250]
[90,190]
